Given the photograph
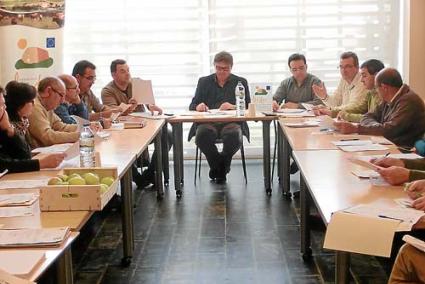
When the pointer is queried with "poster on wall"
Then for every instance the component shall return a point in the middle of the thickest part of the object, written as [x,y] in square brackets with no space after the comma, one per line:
[31,39]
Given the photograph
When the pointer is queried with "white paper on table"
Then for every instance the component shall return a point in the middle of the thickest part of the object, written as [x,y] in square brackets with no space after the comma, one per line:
[363,163]
[17,211]
[32,237]
[371,235]
[6,277]
[20,262]
[361,148]
[381,140]
[290,110]
[116,126]
[294,113]
[149,115]
[409,156]
[56,148]
[71,163]
[80,121]
[417,243]
[304,124]
[307,106]
[351,142]
[365,173]
[404,202]
[142,91]
[15,199]
[10,184]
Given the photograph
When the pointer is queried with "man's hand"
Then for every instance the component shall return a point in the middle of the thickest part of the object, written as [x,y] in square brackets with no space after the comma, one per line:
[153,108]
[419,203]
[227,106]
[76,100]
[107,113]
[107,123]
[345,127]
[275,106]
[202,107]
[320,90]
[388,162]
[394,175]
[290,105]
[5,124]
[51,161]
[416,189]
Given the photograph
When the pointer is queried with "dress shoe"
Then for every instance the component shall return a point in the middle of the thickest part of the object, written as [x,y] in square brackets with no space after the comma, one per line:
[293,168]
[213,174]
[145,179]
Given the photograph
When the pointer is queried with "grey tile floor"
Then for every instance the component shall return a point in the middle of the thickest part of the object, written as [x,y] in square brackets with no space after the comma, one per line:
[230,233]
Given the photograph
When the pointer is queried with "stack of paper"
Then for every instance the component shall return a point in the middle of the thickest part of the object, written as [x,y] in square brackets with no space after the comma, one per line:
[308,123]
[8,184]
[355,145]
[19,205]
[48,237]
[21,262]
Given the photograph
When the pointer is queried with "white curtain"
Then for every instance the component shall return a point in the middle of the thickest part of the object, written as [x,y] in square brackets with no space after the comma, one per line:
[172,42]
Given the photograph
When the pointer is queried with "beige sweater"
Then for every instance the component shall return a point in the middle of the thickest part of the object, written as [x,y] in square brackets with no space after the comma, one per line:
[46,128]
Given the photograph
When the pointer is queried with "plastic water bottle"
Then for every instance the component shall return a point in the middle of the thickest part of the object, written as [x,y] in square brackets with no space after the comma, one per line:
[240,99]
[87,156]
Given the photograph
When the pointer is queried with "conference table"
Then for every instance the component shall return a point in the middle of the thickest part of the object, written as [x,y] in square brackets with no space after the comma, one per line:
[327,181]
[120,150]
[177,126]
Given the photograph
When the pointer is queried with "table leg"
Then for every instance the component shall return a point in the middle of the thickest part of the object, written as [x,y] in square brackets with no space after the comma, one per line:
[164,155]
[266,157]
[177,157]
[342,265]
[304,222]
[285,179]
[127,217]
[158,170]
[64,274]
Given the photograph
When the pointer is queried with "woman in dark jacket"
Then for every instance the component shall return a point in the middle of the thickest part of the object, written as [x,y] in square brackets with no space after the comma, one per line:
[15,155]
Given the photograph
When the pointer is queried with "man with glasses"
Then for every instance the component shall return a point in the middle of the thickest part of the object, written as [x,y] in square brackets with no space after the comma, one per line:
[401,116]
[72,105]
[350,89]
[217,91]
[85,73]
[296,89]
[45,127]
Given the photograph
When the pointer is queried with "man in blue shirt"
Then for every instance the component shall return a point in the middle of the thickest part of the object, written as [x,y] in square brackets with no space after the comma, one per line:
[217,91]
[72,105]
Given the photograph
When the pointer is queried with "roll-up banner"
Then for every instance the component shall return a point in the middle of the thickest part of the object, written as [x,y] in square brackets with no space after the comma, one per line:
[31,40]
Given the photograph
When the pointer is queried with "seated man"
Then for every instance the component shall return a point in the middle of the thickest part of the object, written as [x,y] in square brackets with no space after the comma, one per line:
[349,91]
[408,266]
[217,91]
[72,105]
[45,127]
[85,73]
[355,112]
[118,91]
[296,89]
[401,116]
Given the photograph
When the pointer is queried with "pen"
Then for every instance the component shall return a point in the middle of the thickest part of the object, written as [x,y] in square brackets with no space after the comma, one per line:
[392,218]
[350,139]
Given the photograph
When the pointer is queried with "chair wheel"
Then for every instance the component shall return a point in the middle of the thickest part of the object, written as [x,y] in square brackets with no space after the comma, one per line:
[307,256]
[166,183]
[269,191]
[126,261]
[179,194]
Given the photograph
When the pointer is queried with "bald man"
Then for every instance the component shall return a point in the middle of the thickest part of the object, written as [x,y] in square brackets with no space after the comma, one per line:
[401,116]
[46,128]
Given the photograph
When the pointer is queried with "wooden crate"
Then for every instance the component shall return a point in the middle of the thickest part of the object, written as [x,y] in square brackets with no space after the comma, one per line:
[78,197]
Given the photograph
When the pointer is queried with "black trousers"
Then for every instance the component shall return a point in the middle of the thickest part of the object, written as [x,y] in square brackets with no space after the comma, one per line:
[229,133]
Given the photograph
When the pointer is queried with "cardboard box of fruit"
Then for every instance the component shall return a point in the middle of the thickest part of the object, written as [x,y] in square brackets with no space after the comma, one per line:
[79,189]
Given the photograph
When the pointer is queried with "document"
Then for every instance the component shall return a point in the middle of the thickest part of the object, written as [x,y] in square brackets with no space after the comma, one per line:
[307,106]
[7,278]
[9,184]
[124,107]
[17,211]
[142,91]
[395,156]
[304,124]
[417,243]
[17,199]
[67,163]
[361,148]
[351,142]
[363,163]
[33,237]
[69,149]
[148,115]
[80,121]
[294,113]
[21,262]
[365,173]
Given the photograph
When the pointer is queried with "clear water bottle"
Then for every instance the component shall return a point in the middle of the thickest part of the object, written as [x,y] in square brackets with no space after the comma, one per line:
[87,155]
[240,99]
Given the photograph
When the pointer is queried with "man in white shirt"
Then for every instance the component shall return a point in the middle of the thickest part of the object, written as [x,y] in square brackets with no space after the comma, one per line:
[350,89]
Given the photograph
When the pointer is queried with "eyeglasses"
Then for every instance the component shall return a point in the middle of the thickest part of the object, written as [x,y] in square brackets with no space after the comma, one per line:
[222,68]
[343,67]
[59,93]
[301,68]
[72,88]
[90,78]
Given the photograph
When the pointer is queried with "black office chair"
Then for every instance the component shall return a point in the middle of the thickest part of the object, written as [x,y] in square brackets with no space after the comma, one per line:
[198,157]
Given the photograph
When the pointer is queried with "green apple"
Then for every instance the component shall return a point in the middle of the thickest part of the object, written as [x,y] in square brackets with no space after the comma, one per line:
[103,188]
[63,177]
[76,181]
[63,183]
[54,181]
[107,180]
[91,179]
[73,175]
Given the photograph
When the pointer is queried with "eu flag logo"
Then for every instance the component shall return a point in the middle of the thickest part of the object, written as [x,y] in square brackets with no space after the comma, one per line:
[50,42]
